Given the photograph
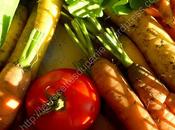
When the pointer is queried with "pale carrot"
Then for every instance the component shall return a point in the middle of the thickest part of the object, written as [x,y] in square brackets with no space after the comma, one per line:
[15,30]
[16,76]
[154,43]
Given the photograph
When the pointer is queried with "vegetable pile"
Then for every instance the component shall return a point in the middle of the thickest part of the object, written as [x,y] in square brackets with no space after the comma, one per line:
[128,65]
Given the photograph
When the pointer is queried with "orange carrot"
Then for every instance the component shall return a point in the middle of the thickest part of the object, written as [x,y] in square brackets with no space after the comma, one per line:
[172,2]
[165,9]
[170,30]
[170,102]
[153,94]
[120,97]
[153,12]
[110,83]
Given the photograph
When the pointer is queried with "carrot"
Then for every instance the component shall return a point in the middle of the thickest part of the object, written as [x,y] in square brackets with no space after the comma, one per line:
[170,102]
[110,83]
[170,30]
[120,97]
[15,77]
[23,38]
[13,34]
[6,16]
[153,42]
[153,12]
[133,52]
[152,93]
[166,11]
[172,2]
[13,82]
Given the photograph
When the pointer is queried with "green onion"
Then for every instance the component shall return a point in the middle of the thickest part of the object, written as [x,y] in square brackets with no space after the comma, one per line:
[7,11]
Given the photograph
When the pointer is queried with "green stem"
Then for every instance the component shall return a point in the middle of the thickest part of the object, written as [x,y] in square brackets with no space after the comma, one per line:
[110,41]
[31,49]
[7,12]
[80,36]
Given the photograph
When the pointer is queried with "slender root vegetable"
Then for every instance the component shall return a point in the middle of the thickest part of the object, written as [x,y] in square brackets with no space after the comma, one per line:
[154,43]
[166,12]
[23,38]
[133,52]
[14,80]
[170,102]
[120,97]
[153,12]
[170,30]
[172,2]
[13,34]
[7,10]
[153,94]
[111,85]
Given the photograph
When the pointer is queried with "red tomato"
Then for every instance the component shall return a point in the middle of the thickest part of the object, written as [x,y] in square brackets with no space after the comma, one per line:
[81,101]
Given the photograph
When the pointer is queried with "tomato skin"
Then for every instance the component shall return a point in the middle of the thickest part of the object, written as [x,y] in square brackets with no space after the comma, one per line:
[81,101]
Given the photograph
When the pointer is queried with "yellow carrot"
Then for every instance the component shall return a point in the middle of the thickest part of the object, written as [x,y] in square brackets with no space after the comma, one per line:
[133,52]
[153,41]
[13,81]
[13,34]
[23,38]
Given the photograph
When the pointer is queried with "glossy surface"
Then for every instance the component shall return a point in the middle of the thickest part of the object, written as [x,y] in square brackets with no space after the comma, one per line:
[81,101]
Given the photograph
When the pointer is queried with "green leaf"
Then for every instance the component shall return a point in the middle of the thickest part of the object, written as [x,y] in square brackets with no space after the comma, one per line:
[5,25]
[136,4]
[119,7]
[85,8]
[122,10]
